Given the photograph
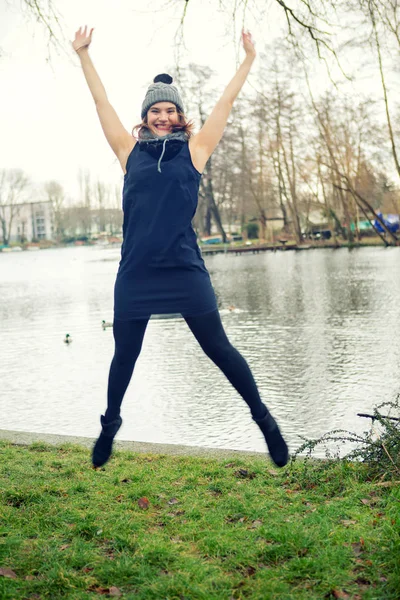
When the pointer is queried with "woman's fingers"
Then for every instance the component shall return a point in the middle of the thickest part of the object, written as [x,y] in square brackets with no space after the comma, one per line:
[83,38]
[84,33]
[248,44]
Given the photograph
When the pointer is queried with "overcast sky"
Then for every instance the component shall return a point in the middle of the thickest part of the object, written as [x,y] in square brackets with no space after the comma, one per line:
[48,123]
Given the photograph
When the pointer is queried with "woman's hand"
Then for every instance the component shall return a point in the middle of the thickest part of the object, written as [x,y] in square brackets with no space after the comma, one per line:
[82,39]
[248,43]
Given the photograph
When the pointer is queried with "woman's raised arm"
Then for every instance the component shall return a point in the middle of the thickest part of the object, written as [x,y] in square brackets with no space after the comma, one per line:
[203,144]
[117,136]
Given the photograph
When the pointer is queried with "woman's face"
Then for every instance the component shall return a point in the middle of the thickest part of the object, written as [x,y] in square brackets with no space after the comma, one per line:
[161,117]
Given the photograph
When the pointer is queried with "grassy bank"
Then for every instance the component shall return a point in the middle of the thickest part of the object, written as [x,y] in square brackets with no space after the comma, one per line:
[165,527]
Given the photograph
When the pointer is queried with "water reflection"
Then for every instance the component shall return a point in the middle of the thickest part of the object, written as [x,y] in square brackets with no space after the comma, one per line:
[320,330]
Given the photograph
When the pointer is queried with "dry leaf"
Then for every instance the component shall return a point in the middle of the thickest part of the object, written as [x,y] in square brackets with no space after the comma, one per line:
[6,572]
[340,594]
[348,522]
[173,501]
[64,546]
[273,473]
[143,502]
[256,524]
[229,465]
[357,548]
[111,591]
[365,500]
[87,569]
[126,480]
[30,578]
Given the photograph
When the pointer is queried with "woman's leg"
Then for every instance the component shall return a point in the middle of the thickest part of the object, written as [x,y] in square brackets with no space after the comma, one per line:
[128,336]
[210,334]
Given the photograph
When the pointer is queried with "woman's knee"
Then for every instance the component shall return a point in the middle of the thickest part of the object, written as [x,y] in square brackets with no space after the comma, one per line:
[219,349]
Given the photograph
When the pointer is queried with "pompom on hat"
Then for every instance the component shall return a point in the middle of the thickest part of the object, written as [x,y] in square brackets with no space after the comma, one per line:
[162,90]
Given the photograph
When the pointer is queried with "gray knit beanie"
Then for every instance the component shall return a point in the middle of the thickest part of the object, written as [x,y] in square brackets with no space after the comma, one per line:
[161,90]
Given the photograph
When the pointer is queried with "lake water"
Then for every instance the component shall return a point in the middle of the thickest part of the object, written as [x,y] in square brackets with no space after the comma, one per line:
[319,328]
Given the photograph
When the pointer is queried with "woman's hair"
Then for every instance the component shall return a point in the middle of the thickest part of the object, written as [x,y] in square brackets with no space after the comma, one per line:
[182,125]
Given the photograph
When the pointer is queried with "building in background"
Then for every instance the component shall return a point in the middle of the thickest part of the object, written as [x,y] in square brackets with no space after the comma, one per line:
[31,222]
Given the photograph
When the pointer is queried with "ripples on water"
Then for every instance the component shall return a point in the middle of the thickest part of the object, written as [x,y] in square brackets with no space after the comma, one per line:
[319,328]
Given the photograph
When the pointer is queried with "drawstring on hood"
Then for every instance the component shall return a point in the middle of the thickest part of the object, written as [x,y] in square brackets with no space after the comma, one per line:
[154,143]
[162,154]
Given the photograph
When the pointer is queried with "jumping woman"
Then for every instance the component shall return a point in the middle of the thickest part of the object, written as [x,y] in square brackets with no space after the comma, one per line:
[161,269]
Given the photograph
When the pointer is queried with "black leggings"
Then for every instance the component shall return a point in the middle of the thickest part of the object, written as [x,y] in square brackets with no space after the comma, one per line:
[209,332]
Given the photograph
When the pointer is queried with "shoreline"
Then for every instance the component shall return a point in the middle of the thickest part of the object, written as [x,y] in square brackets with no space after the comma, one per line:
[25,438]
[254,247]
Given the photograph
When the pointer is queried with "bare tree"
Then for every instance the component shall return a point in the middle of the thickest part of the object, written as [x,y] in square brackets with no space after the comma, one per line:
[85,204]
[49,18]
[56,195]
[375,13]
[258,176]
[101,195]
[193,84]
[13,185]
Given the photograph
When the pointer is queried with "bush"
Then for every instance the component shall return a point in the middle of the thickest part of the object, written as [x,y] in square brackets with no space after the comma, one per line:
[381,456]
[75,238]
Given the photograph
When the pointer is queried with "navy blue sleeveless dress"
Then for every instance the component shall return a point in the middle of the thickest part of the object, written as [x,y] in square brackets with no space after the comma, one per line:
[161,269]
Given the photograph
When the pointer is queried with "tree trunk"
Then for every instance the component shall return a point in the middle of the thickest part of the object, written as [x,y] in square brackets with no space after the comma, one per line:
[210,200]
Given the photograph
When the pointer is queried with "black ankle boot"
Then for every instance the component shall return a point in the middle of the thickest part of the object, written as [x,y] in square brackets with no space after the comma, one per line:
[276,444]
[103,447]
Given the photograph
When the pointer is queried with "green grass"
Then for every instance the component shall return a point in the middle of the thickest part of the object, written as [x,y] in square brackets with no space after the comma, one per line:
[213,529]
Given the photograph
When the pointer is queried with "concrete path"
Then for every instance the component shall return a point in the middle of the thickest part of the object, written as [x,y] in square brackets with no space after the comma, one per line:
[24,438]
